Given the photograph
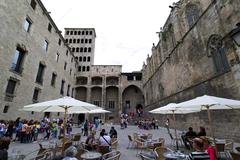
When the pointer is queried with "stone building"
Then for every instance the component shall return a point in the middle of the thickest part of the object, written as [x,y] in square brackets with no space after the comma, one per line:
[196,55]
[102,85]
[35,63]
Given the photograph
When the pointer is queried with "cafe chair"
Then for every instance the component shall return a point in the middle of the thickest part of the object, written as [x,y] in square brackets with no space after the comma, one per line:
[131,142]
[140,145]
[103,149]
[76,139]
[162,140]
[114,155]
[235,156]
[114,143]
[159,151]
[228,145]
[45,155]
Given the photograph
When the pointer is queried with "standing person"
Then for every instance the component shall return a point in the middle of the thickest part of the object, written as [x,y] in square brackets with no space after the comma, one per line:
[167,125]
[4,145]
[9,132]
[85,127]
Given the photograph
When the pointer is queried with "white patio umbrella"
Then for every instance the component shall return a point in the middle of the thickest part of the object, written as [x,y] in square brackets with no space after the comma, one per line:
[210,103]
[68,105]
[101,110]
[173,108]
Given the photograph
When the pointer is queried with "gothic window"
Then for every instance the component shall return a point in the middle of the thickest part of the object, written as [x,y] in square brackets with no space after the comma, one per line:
[192,14]
[216,50]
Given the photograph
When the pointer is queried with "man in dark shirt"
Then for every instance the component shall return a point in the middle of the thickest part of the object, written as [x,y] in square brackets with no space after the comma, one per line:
[188,137]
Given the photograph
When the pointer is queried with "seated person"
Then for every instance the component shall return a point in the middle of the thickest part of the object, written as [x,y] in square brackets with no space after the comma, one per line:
[113,132]
[199,153]
[70,153]
[208,148]
[104,139]
[90,142]
[202,132]
[4,144]
[189,135]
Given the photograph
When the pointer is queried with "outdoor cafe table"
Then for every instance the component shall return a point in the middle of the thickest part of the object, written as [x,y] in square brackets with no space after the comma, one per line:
[91,155]
[174,156]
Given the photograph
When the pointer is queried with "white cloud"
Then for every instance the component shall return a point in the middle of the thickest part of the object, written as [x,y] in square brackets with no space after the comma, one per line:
[125,29]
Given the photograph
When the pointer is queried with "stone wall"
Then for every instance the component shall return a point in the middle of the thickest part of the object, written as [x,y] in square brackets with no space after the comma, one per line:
[187,65]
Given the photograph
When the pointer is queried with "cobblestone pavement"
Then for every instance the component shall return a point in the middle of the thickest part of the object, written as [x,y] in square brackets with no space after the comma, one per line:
[126,154]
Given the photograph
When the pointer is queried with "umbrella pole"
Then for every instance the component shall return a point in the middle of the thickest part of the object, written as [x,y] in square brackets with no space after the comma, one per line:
[174,121]
[64,128]
[210,124]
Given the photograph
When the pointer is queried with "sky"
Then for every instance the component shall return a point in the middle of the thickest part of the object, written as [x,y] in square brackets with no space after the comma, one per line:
[125,29]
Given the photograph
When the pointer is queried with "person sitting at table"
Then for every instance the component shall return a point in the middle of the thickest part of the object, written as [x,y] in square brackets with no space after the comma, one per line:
[189,135]
[105,140]
[202,132]
[199,153]
[4,145]
[208,148]
[113,132]
[90,142]
[70,153]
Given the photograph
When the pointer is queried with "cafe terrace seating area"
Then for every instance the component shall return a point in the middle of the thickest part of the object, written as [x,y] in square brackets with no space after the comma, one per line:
[132,144]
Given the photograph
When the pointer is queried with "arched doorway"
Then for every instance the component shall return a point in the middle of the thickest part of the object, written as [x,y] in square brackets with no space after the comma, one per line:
[132,100]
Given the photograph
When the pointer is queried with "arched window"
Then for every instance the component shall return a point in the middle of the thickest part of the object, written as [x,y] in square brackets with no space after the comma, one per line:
[80,59]
[79,32]
[85,49]
[81,49]
[216,50]
[75,32]
[77,49]
[73,49]
[80,68]
[88,59]
[90,40]
[66,40]
[89,49]
[86,40]
[88,68]
[82,40]
[83,32]
[84,59]
[83,68]
[74,40]
[192,13]
[70,40]
[78,40]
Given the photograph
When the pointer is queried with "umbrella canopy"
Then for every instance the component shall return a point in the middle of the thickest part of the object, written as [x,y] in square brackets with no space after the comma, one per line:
[173,108]
[98,111]
[211,102]
[59,105]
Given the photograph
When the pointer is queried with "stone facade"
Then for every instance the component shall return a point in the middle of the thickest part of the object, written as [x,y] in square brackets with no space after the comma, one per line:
[37,63]
[196,55]
[27,76]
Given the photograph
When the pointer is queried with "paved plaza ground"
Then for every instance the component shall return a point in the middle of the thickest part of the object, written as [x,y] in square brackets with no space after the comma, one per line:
[126,154]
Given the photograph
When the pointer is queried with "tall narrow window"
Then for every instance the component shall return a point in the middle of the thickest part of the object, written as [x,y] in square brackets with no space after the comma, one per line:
[86,32]
[71,32]
[78,40]
[17,61]
[79,68]
[88,68]
[53,80]
[111,104]
[88,59]
[85,49]
[67,53]
[82,40]
[84,59]
[83,68]
[35,95]
[11,86]
[62,87]
[86,40]
[81,49]
[192,14]
[49,27]
[65,65]
[39,78]
[66,40]
[89,49]
[70,72]
[33,4]
[80,59]
[45,45]
[57,57]
[68,90]
[27,24]
[90,32]
[59,42]
[5,109]
[74,40]
[90,40]
[67,33]
[72,91]
[70,40]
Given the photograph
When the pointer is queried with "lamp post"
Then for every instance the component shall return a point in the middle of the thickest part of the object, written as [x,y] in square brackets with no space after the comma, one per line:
[235,34]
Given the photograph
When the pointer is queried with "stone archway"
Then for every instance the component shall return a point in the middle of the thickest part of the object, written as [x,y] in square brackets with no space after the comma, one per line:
[132,99]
